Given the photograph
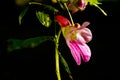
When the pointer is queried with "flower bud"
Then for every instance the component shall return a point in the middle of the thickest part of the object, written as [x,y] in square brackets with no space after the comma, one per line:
[63,22]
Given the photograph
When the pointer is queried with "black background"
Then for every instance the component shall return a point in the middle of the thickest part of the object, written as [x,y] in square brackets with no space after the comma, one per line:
[38,63]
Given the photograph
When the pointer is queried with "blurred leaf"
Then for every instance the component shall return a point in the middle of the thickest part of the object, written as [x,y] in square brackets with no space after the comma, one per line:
[22,14]
[66,67]
[14,44]
[44,18]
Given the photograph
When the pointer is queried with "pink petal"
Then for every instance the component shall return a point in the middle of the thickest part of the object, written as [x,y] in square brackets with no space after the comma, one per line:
[84,35]
[85,52]
[80,38]
[78,49]
[74,51]
[84,25]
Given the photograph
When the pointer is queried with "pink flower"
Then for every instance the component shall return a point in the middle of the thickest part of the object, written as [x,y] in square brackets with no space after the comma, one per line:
[74,5]
[76,38]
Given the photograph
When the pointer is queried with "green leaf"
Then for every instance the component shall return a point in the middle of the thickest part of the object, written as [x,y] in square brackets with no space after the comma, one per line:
[14,44]
[22,14]
[44,18]
[66,67]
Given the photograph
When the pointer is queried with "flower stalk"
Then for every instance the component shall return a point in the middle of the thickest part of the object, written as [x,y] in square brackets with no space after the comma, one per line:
[57,55]
[72,22]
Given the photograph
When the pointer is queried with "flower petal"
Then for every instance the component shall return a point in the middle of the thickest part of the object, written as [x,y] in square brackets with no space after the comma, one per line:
[85,52]
[80,38]
[84,35]
[74,51]
[85,24]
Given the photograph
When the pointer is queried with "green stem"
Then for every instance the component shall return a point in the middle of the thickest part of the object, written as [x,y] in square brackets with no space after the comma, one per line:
[100,9]
[69,14]
[57,64]
[57,55]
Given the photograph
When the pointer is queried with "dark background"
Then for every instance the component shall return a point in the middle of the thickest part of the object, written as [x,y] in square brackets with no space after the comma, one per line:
[38,63]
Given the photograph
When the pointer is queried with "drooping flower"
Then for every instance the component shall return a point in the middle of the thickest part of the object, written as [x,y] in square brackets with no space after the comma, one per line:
[76,38]
[76,5]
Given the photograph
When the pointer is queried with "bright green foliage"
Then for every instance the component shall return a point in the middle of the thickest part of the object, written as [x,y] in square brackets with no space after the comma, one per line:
[14,44]
[44,18]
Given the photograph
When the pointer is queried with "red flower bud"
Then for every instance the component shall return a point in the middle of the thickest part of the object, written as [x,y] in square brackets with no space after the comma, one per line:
[63,22]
